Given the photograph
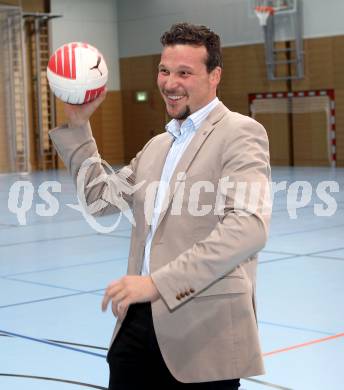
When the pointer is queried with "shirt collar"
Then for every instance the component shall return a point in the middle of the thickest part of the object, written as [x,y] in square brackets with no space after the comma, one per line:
[192,122]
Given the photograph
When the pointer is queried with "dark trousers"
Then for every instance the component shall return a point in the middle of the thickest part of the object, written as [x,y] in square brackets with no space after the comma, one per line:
[136,362]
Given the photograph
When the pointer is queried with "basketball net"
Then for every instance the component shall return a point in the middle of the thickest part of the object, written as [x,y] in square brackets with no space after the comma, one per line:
[263,13]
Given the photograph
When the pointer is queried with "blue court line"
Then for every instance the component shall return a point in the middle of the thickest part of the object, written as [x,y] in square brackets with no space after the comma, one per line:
[328,257]
[42,341]
[7,225]
[306,231]
[57,221]
[56,239]
[47,240]
[35,223]
[48,299]
[283,208]
[281,259]
[118,236]
[98,293]
[67,343]
[326,251]
[42,284]
[60,238]
[278,210]
[301,255]
[54,286]
[115,234]
[264,383]
[312,254]
[279,253]
[296,328]
[50,379]
[124,230]
[65,267]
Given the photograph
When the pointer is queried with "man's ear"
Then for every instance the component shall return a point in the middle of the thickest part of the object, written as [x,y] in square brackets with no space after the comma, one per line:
[216,75]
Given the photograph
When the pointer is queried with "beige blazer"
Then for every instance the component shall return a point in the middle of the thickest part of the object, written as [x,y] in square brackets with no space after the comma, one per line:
[203,266]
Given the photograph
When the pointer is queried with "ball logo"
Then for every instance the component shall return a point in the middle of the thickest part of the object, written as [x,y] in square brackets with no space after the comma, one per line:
[77,73]
[97,65]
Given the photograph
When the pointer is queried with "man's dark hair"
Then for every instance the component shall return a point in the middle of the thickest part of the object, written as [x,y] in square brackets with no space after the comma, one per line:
[190,34]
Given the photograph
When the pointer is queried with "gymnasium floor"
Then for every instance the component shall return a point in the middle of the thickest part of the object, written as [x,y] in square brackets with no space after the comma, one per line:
[53,272]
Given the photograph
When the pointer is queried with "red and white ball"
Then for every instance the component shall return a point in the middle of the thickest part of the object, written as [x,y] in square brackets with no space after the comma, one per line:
[77,73]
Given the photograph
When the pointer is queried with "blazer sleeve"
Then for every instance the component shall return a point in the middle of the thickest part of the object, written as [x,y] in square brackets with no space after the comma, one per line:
[104,190]
[241,230]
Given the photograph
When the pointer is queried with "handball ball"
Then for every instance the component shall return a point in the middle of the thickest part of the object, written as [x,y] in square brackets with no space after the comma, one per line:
[77,73]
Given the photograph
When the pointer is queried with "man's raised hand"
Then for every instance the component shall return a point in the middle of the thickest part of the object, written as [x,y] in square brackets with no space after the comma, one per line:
[79,114]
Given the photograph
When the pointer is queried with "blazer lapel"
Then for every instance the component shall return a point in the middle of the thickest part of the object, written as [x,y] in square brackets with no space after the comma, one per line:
[155,168]
[184,163]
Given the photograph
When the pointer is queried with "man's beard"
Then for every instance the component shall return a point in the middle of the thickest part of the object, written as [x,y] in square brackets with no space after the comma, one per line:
[182,115]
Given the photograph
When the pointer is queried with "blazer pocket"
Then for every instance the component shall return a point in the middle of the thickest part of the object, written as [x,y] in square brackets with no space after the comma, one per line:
[226,285]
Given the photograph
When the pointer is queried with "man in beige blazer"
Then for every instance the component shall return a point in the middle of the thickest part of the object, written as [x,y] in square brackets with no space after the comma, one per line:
[186,313]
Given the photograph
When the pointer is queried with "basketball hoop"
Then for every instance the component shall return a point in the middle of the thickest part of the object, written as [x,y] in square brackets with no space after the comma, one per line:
[263,13]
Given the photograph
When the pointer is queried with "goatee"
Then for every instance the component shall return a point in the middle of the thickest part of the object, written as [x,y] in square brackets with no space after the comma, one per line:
[182,115]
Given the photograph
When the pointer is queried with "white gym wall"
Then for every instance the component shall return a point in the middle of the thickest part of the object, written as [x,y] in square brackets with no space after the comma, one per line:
[141,22]
[89,21]
[126,28]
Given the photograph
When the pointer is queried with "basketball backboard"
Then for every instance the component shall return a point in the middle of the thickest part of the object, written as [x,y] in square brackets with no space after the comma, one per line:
[279,6]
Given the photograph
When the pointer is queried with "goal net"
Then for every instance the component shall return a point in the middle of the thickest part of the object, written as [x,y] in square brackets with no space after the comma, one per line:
[303,121]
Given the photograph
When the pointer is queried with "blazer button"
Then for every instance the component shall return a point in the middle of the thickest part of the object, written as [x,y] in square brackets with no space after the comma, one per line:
[192,290]
[178,297]
[187,293]
[182,295]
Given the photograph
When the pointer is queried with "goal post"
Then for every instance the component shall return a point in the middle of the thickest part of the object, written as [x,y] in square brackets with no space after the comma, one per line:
[313,118]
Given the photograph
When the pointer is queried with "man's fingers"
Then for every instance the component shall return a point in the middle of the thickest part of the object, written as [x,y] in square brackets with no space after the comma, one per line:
[94,104]
[114,309]
[102,94]
[113,289]
[122,309]
[114,292]
[117,299]
[105,302]
[79,114]
[107,297]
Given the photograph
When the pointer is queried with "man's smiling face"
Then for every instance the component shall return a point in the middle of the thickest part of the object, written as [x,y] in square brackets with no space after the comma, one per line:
[183,79]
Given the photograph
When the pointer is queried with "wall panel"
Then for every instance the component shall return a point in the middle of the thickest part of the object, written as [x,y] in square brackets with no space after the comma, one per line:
[310,139]
[141,120]
[319,71]
[107,127]
[277,128]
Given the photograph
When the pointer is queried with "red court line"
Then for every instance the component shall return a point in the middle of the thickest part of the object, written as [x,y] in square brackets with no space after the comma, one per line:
[336,336]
